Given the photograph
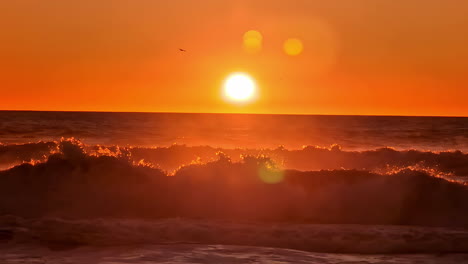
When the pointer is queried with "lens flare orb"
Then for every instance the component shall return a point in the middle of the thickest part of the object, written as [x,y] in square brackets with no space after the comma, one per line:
[293,46]
[253,41]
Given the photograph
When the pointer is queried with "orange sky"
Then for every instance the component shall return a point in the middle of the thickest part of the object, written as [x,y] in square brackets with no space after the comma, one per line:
[394,57]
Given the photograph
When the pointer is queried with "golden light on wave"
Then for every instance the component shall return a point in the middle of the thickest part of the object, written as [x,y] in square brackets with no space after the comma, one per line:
[252,41]
[293,46]
[239,87]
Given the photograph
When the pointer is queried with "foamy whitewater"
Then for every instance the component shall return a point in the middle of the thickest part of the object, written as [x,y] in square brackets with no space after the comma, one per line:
[218,188]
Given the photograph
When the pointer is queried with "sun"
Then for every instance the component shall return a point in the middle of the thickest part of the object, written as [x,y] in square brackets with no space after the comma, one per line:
[239,87]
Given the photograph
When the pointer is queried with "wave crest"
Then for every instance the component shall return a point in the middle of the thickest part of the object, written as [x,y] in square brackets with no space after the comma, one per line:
[76,182]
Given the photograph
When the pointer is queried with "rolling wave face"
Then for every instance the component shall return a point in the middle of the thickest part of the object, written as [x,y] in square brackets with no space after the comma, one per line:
[452,165]
[15,154]
[77,181]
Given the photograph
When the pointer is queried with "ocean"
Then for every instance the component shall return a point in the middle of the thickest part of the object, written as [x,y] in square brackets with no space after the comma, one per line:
[84,187]
[237,130]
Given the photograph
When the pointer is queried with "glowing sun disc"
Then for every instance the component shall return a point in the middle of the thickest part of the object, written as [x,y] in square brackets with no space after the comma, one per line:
[239,87]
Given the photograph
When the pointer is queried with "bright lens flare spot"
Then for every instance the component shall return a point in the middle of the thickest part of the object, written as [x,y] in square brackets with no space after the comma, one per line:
[253,41]
[239,87]
[293,46]
[271,176]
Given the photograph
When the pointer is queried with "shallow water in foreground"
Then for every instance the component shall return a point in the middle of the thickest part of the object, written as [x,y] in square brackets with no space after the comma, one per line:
[61,234]
[124,241]
[210,254]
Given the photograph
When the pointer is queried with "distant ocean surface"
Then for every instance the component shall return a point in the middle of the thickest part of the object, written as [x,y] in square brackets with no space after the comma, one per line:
[237,130]
[232,188]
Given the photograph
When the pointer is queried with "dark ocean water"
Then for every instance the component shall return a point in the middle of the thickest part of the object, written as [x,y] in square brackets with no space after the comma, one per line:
[231,130]
[171,188]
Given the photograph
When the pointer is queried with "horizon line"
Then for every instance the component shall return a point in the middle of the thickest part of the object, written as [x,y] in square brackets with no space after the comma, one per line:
[228,113]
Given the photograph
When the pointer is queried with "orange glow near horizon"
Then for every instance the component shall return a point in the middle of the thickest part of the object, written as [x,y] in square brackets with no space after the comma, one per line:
[313,57]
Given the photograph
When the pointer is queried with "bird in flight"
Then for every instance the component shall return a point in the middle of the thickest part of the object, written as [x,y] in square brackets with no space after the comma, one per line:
[182,50]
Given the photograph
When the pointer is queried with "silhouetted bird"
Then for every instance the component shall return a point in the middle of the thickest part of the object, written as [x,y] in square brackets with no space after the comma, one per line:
[182,50]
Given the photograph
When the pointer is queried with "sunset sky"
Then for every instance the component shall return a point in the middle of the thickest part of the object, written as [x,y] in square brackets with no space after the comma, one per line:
[391,57]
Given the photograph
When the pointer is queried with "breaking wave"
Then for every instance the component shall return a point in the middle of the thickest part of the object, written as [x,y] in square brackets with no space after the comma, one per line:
[452,165]
[70,180]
